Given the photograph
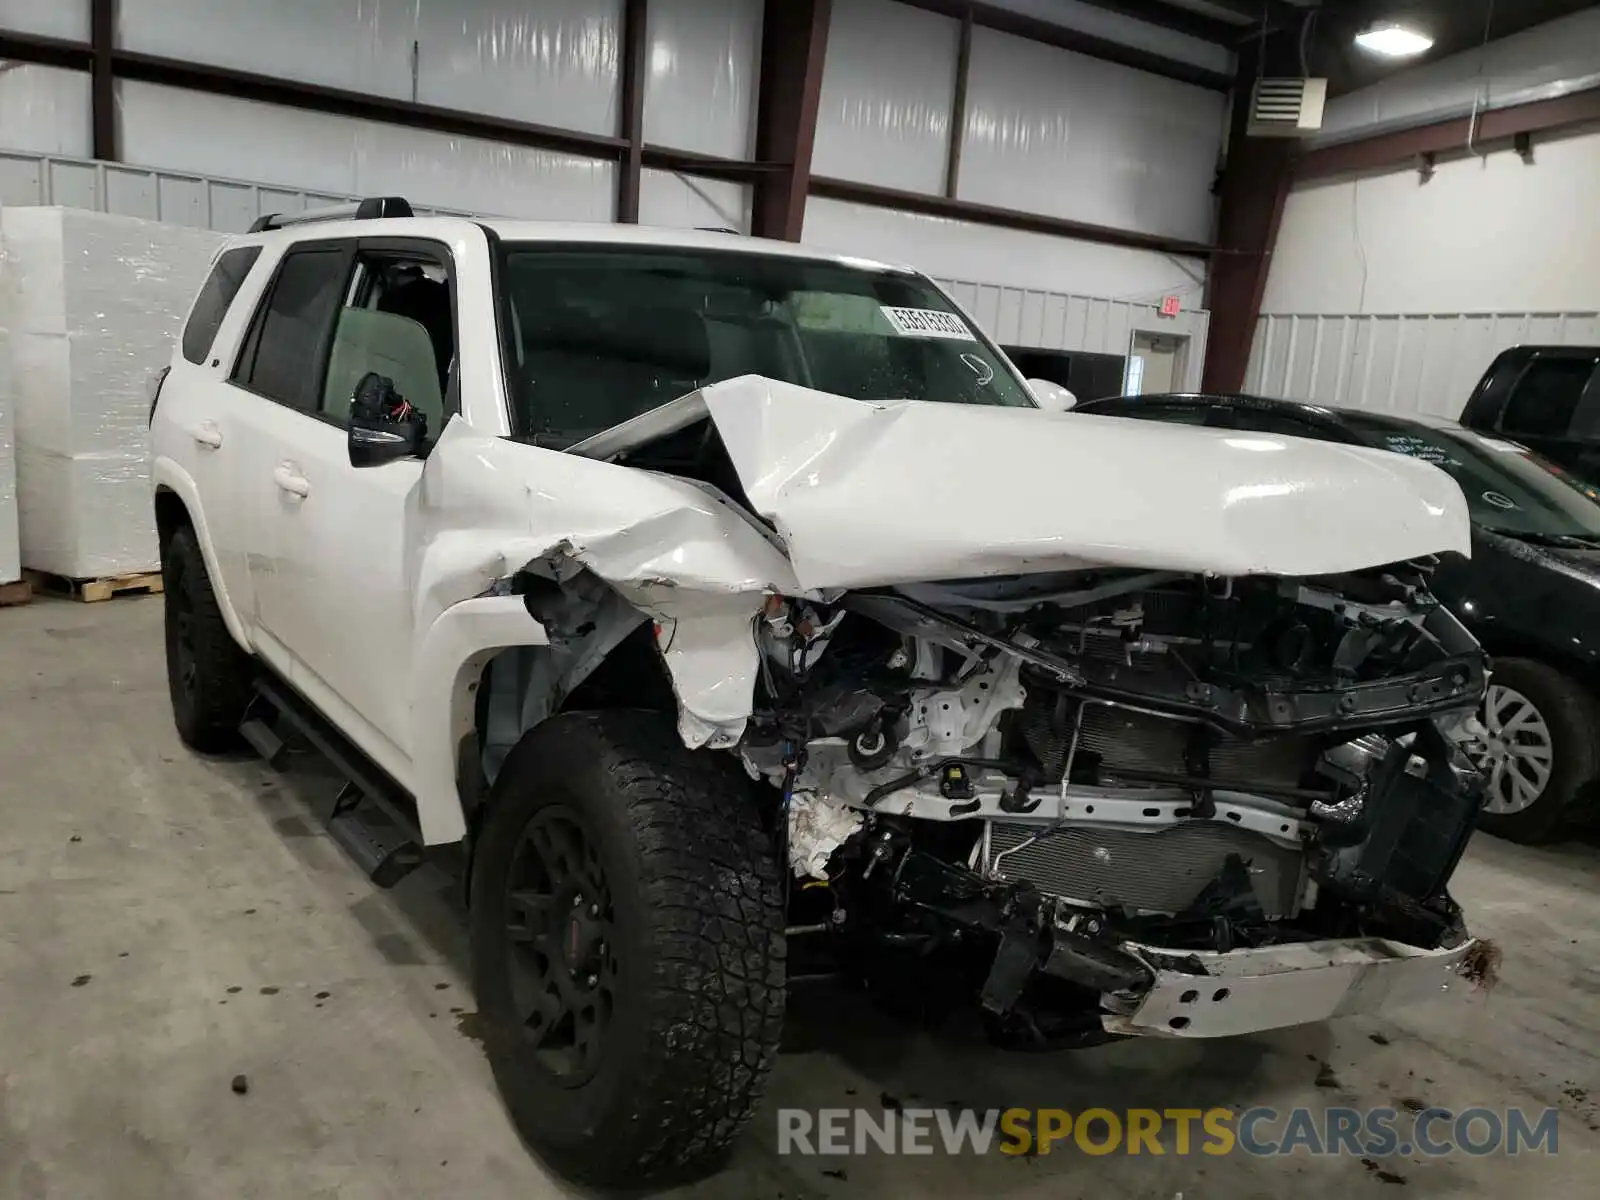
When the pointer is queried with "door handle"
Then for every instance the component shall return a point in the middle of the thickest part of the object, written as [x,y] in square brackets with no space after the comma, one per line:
[291,481]
[208,436]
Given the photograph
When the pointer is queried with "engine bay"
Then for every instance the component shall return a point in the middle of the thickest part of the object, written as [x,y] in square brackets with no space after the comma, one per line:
[1061,765]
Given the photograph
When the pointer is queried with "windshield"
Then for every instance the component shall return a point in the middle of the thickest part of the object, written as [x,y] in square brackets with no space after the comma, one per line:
[1509,489]
[596,335]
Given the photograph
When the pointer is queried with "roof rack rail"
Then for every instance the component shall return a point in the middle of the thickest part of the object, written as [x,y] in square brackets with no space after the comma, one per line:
[373,208]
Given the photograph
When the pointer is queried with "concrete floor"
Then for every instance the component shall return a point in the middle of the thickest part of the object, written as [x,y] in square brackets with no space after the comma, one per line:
[168,923]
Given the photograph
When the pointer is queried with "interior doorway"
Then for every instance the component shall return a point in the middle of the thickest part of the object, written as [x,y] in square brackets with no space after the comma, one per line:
[1157,362]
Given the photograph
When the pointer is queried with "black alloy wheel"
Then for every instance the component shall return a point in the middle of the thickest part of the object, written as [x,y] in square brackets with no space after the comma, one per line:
[560,945]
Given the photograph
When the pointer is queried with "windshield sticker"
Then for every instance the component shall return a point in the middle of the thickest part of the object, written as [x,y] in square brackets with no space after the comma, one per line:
[927,322]
[1416,447]
[1502,447]
[1500,500]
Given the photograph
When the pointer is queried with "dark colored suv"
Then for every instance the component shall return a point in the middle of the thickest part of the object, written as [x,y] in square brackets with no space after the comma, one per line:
[1530,593]
[1548,398]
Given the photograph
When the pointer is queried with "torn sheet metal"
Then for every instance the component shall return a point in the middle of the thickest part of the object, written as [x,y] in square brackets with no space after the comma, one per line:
[872,494]
[675,549]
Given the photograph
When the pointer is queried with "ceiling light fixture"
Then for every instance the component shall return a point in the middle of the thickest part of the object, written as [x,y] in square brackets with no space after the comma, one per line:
[1393,41]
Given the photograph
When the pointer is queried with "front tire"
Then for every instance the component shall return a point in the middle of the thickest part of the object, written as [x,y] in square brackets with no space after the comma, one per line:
[1540,751]
[208,675]
[628,948]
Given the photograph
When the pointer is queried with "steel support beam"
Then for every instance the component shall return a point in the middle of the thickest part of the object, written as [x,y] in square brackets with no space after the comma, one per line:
[1404,147]
[1254,188]
[247,85]
[102,80]
[46,51]
[220,81]
[794,42]
[1021,25]
[1181,20]
[958,108]
[635,43]
[1005,218]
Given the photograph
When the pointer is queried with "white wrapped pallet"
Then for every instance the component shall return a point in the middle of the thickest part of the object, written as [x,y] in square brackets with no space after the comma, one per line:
[10,562]
[91,304]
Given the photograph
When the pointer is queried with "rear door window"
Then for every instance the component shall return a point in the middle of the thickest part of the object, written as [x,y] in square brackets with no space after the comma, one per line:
[221,286]
[287,349]
[1544,400]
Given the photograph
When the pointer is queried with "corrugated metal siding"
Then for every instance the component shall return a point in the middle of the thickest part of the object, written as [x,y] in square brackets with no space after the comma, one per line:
[225,205]
[1404,364]
[1058,321]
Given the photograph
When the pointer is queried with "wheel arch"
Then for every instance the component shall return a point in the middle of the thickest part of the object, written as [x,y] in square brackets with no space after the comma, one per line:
[610,661]
[177,506]
[1583,669]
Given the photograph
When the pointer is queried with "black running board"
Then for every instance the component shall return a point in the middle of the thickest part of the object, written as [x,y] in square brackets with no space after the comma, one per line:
[373,818]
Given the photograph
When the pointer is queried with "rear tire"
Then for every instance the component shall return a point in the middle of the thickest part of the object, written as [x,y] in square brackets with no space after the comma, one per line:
[628,948]
[1566,718]
[208,675]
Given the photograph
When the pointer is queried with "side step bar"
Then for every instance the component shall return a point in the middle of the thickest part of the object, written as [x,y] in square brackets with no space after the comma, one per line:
[373,818]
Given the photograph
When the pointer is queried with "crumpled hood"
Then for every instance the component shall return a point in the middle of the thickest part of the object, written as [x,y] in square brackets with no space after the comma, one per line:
[874,494]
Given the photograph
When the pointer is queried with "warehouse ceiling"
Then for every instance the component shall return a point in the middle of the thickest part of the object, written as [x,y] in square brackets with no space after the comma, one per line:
[1455,26]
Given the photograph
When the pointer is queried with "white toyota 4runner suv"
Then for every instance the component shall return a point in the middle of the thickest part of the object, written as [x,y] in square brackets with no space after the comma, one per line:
[733,603]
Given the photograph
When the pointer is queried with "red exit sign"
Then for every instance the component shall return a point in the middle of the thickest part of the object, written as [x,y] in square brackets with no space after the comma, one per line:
[1170,306]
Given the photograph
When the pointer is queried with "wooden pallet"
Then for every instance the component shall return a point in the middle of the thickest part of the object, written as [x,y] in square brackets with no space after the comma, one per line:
[18,592]
[90,590]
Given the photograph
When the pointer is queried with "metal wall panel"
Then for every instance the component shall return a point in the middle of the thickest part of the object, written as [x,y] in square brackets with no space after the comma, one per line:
[1485,234]
[364,47]
[1041,320]
[53,18]
[44,109]
[169,129]
[683,202]
[953,249]
[554,62]
[1054,132]
[1403,364]
[703,67]
[888,88]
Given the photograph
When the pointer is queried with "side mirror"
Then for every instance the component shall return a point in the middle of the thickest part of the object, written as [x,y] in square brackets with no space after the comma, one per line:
[383,425]
[1051,397]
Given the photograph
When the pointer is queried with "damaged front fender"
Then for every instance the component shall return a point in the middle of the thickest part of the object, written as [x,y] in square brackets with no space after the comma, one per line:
[488,510]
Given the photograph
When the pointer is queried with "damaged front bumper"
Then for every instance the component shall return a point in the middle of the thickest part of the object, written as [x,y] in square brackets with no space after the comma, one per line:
[1245,991]
[1147,990]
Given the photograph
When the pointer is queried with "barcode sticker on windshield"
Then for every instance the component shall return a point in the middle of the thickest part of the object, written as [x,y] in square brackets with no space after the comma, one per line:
[927,322]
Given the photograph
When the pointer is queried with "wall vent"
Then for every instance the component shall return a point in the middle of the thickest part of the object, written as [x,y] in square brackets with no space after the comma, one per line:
[1287,107]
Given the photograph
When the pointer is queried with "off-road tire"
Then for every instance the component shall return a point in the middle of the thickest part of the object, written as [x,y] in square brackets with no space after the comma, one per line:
[210,693]
[698,928]
[1573,716]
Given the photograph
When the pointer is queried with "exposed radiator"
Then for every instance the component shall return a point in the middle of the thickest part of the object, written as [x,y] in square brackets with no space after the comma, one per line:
[1160,871]
[1120,737]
